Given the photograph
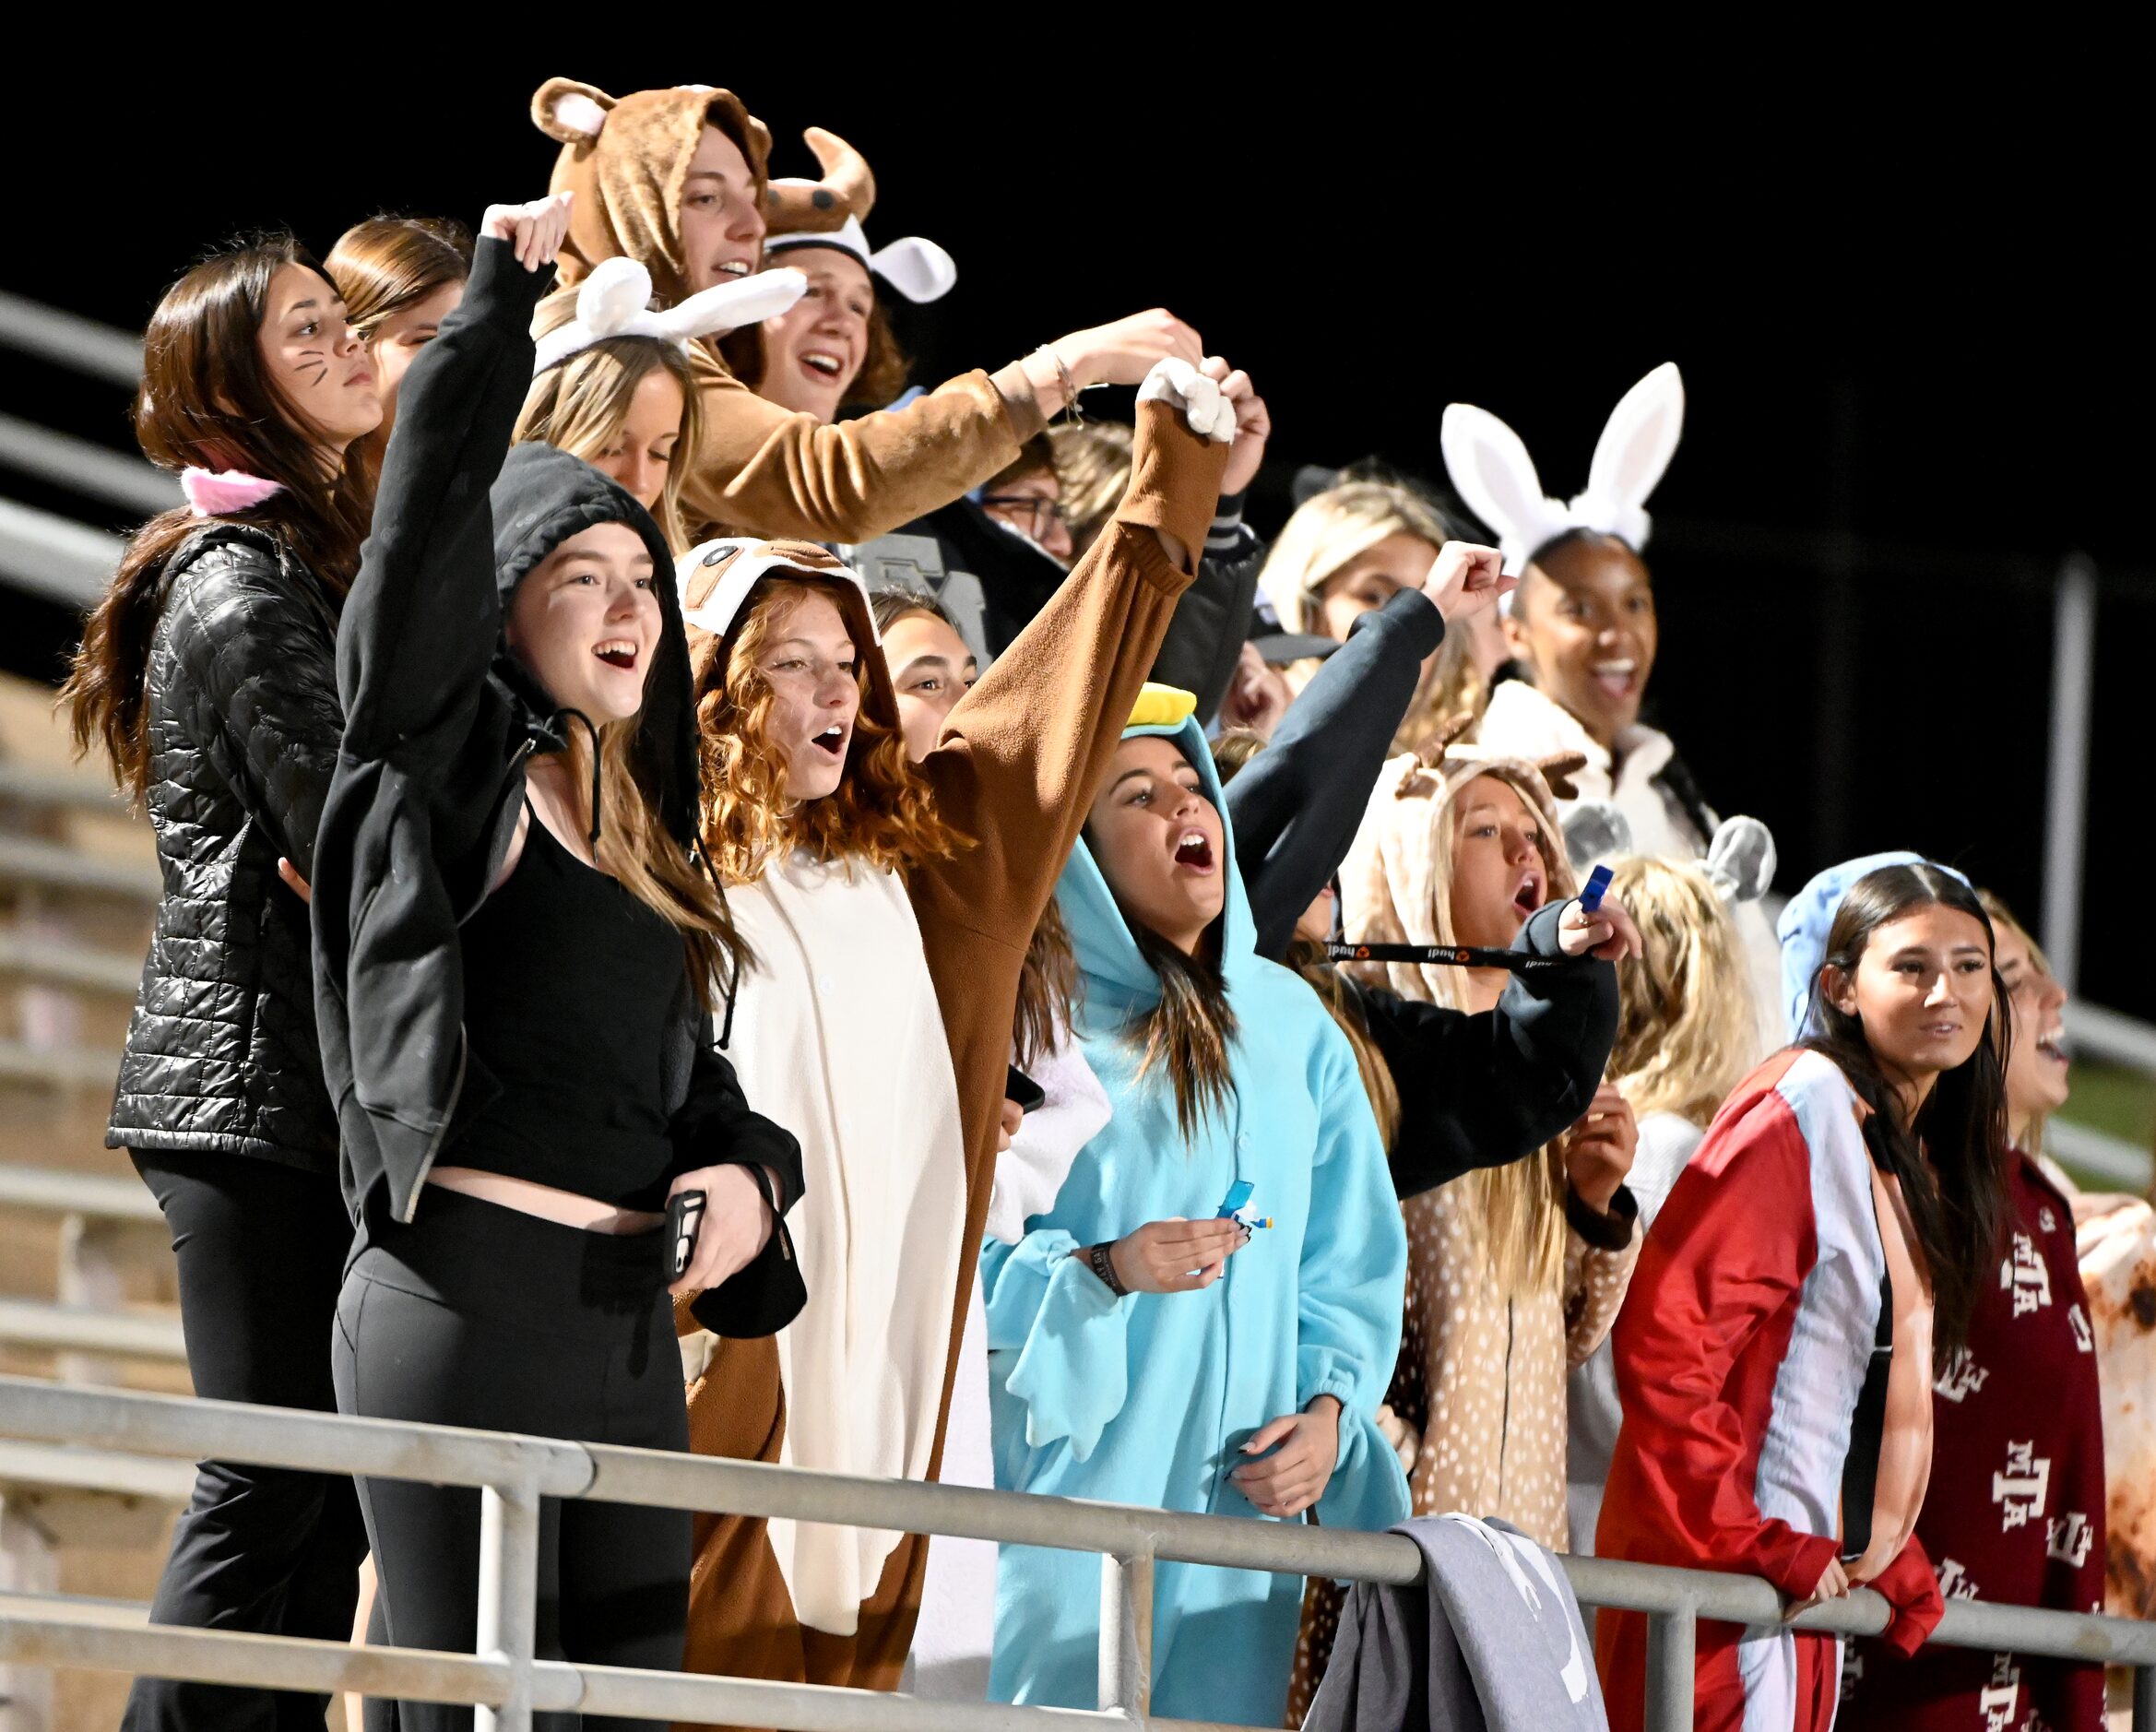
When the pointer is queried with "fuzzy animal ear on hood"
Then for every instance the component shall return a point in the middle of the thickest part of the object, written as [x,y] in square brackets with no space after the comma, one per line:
[570,113]
[1493,473]
[1595,829]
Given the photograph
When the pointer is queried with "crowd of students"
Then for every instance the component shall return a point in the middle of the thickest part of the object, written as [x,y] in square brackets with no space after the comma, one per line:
[712,906]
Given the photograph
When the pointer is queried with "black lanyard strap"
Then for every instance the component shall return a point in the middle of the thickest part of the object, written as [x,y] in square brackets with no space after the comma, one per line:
[1448,956]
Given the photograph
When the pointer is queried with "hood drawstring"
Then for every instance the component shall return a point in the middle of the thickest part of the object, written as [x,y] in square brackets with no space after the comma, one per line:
[598,765]
[733,980]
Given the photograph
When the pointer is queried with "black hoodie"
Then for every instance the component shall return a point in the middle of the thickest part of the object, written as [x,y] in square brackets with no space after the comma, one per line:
[430,780]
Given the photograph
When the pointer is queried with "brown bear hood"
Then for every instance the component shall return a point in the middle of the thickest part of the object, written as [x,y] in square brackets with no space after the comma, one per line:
[627,159]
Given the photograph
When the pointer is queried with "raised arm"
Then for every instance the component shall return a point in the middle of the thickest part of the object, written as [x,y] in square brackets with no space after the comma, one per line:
[1482,1089]
[1297,804]
[770,472]
[423,620]
[1023,751]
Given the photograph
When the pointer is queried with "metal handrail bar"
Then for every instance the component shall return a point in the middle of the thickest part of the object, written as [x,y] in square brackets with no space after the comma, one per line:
[2109,1034]
[515,1471]
[55,557]
[51,1191]
[63,868]
[88,1329]
[60,787]
[66,1067]
[103,351]
[83,467]
[2112,1158]
[62,962]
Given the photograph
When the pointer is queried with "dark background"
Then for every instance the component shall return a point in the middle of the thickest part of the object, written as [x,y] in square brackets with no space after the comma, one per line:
[1916,367]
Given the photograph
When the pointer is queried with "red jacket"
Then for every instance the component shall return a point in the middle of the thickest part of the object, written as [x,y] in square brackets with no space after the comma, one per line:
[1741,1356]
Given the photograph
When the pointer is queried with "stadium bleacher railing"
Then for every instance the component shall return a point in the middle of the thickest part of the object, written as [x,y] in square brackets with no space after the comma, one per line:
[507,1682]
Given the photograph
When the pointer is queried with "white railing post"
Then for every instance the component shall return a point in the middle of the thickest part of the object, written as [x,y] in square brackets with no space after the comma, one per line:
[1672,1668]
[2066,782]
[1126,1635]
[509,1596]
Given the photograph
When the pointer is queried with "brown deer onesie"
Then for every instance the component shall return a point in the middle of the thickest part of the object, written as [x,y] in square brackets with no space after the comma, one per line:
[762,469]
[1017,770]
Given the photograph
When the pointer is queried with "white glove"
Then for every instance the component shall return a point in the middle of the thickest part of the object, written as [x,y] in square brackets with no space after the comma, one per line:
[1740,860]
[1182,386]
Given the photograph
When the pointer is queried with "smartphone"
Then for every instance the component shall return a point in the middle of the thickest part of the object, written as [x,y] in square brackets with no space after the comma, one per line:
[1238,1194]
[1020,1088]
[684,1217]
[1590,892]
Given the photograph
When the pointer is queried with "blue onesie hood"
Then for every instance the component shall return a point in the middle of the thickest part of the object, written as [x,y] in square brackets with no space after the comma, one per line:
[1107,952]
[1810,917]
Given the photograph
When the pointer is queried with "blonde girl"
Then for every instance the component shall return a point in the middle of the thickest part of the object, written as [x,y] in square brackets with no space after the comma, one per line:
[1350,550]
[1687,1034]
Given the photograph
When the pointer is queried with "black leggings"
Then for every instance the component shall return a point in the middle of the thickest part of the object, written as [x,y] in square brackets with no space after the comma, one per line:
[261,1249]
[478,1315]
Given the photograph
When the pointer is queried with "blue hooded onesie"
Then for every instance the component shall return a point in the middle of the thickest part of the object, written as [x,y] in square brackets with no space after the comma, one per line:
[1147,1399]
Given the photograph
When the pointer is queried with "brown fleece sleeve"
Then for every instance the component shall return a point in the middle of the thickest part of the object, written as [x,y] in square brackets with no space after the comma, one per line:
[764,470]
[1024,750]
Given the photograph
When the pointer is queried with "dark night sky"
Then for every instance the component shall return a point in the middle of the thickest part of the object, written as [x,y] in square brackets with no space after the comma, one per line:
[1925,358]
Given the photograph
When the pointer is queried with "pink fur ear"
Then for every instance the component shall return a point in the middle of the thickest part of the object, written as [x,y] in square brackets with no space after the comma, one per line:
[211,495]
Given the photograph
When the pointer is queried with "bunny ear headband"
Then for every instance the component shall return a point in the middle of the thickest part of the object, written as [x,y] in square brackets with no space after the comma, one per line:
[615,301]
[715,576]
[1497,479]
[829,212]
[1740,857]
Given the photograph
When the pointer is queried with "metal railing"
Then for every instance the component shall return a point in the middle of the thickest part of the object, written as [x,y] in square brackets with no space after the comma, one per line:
[507,1682]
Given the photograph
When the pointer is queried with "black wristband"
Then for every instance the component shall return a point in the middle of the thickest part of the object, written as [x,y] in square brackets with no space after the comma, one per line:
[1610,1231]
[1104,1267]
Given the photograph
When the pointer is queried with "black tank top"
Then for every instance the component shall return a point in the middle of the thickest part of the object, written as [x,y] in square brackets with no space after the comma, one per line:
[569,982]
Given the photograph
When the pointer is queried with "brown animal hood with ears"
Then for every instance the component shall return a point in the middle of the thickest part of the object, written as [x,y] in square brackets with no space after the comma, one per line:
[627,159]
[1395,884]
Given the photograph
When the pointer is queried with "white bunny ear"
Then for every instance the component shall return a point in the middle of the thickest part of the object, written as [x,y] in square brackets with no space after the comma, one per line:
[728,306]
[1741,860]
[1636,444]
[918,268]
[615,292]
[1496,477]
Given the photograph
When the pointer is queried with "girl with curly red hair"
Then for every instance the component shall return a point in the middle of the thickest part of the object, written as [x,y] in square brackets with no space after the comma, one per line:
[887,908]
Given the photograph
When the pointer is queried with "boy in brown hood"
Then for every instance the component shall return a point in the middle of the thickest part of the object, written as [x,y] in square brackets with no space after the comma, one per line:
[632,163]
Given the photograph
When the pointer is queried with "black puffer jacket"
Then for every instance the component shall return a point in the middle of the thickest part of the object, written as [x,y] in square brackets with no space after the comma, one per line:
[243,726]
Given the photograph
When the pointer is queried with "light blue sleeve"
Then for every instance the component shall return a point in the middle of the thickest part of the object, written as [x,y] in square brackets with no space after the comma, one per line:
[1353,1292]
[1070,1335]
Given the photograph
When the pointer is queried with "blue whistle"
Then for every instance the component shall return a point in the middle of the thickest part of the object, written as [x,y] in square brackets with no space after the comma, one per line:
[1590,892]
[1233,1204]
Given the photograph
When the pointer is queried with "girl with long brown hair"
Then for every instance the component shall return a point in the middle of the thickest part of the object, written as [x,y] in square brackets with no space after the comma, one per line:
[1824,1249]
[515,950]
[888,907]
[1114,1372]
[400,278]
[206,678]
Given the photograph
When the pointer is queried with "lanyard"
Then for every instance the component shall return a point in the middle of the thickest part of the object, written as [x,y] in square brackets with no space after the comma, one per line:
[1454,955]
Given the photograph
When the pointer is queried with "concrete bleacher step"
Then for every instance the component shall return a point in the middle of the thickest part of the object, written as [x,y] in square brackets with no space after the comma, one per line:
[56,866]
[53,962]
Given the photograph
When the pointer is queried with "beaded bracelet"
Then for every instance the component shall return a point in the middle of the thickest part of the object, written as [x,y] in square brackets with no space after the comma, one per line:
[1069,385]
